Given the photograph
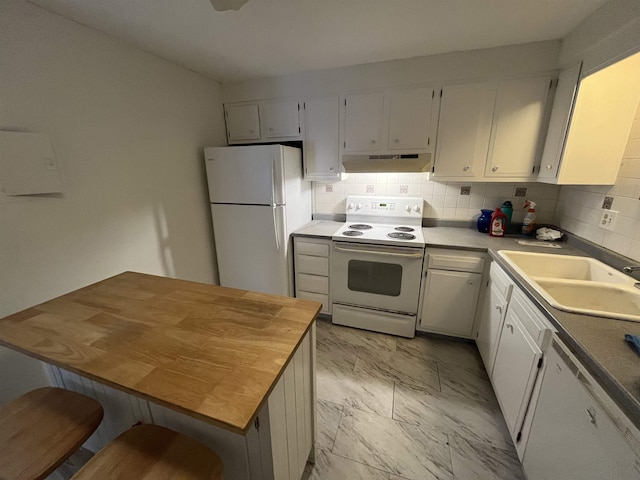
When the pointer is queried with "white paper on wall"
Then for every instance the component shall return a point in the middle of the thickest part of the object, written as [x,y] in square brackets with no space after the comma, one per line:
[28,165]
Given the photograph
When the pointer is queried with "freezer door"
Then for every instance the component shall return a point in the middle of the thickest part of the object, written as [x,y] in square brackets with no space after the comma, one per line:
[245,175]
[251,247]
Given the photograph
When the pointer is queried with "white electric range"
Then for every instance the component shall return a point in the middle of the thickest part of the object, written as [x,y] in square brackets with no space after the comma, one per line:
[376,265]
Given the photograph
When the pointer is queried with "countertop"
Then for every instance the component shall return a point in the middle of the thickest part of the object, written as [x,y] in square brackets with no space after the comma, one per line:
[596,341]
[211,352]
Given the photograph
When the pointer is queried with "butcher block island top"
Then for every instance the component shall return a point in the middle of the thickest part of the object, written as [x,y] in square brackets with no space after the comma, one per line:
[210,352]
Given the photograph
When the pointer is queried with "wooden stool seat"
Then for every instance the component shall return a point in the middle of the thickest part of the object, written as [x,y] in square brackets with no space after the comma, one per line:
[41,429]
[147,452]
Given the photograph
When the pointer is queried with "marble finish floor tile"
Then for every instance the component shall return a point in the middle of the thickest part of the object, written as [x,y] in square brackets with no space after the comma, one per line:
[337,382]
[475,461]
[468,383]
[333,467]
[328,414]
[332,337]
[451,413]
[411,451]
[456,352]
[399,366]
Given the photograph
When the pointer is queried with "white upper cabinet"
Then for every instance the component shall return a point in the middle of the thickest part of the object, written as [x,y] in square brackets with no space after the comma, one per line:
[394,121]
[363,118]
[566,88]
[410,119]
[281,118]
[491,131]
[321,152]
[518,122]
[464,129]
[243,122]
[263,121]
[589,129]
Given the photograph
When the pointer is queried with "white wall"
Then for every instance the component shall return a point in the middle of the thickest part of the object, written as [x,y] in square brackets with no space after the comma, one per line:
[127,129]
[513,60]
[580,207]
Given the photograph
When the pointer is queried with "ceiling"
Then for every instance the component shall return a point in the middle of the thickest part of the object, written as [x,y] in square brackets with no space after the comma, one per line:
[277,37]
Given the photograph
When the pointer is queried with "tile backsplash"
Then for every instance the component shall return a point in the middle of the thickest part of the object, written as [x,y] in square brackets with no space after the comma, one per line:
[443,200]
[579,209]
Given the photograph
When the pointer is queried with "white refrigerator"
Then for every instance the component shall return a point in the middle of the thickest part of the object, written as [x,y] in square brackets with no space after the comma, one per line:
[258,197]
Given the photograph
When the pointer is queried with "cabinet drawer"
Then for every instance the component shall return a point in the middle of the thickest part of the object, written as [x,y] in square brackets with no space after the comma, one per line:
[313,249]
[458,263]
[312,283]
[533,322]
[312,265]
[500,281]
[316,297]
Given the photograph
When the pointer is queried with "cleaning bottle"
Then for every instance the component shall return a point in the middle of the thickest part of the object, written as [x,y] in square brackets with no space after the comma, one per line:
[529,222]
[507,209]
[498,223]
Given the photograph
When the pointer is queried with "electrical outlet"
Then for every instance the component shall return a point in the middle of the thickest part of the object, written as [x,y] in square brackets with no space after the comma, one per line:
[608,219]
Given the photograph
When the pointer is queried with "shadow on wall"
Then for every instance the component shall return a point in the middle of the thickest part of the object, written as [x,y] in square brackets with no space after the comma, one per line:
[174,245]
[20,374]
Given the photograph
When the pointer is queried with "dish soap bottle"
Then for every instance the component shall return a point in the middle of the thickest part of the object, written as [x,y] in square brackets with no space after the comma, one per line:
[529,222]
[498,224]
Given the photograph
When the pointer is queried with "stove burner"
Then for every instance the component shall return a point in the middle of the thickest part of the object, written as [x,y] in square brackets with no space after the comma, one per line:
[401,235]
[360,226]
[404,229]
[352,233]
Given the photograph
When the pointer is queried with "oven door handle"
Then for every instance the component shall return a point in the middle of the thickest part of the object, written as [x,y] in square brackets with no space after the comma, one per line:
[380,252]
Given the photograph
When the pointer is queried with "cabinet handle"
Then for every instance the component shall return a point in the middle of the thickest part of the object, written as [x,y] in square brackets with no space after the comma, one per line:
[331,169]
[271,129]
[373,142]
[494,169]
[591,413]
[549,167]
[465,169]
[499,308]
[396,141]
[509,325]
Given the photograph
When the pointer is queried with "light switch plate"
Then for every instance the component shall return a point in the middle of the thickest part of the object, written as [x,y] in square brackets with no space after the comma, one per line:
[608,219]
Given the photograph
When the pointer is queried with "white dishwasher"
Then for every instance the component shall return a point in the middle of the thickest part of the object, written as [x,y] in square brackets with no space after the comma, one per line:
[577,431]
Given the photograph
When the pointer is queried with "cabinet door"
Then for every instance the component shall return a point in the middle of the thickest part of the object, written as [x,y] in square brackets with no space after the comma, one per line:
[515,370]
[410,119]
[363,117]
[449,302]
[321,153]
[243,122]
[518,124]
[281,119]
[571,436]
[464,129]
[493,313]
[563,102]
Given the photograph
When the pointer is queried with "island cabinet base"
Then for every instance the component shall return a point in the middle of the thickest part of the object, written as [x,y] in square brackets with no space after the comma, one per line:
[276,447]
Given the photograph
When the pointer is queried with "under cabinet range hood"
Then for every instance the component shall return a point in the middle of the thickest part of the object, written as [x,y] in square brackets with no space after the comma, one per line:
[415,162]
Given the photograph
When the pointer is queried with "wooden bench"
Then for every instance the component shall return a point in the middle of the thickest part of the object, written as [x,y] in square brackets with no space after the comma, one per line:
[41,429]
[152,452]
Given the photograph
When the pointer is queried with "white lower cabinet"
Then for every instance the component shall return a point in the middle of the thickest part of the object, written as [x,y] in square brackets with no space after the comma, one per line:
[450,294]
[577,432]
[311,266]
[492,312]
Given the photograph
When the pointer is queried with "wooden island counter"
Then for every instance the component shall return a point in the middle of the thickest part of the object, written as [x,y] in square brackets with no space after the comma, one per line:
[233,369]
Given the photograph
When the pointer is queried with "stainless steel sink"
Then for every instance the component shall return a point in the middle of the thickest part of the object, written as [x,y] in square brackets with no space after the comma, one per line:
[578,284]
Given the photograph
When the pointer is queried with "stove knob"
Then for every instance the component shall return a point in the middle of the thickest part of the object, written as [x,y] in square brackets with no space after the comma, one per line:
[407,207]
[351,206]
[358,206]
[416,208]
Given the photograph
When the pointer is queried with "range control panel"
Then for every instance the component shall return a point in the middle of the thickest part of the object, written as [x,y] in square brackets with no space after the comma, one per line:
[398,207]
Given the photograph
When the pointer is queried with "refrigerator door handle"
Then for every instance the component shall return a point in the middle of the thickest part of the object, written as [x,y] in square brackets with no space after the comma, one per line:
[275,227]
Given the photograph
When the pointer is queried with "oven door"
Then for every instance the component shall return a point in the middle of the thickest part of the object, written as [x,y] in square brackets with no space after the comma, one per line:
[376,276]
